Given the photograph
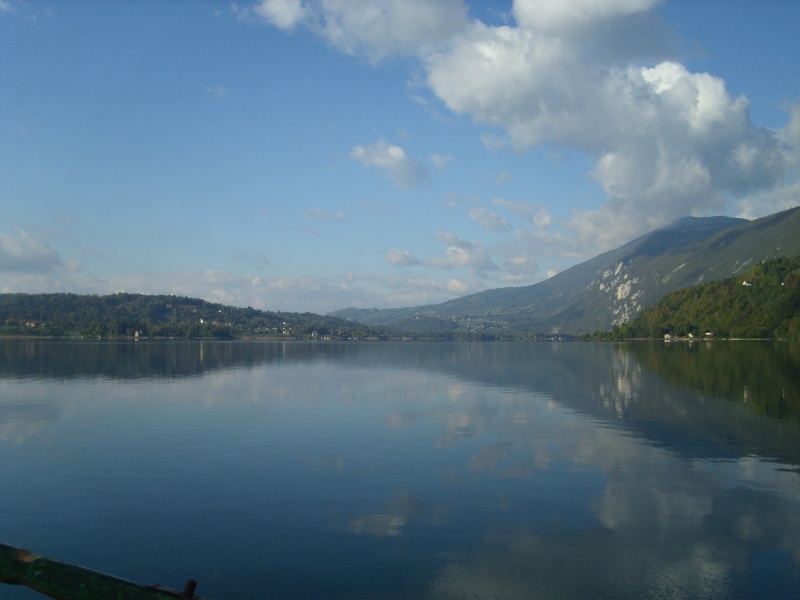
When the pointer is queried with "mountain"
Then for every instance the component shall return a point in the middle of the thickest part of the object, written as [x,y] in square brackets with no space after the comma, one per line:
[762,302]
[611,288]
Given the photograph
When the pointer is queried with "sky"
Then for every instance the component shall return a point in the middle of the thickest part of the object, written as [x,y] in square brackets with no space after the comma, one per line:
[313,155]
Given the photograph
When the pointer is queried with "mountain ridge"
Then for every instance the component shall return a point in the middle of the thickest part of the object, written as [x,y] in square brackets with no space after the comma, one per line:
[611,288]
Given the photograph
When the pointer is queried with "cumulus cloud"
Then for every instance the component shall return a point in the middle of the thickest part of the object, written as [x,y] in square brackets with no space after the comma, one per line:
[489,220]
[404,171]
[25,254]
[285,14]
[458,253]
[599,76]
[463,253]
[519,269]
[418,291]
[457,287]
[400,258]
[574,16]
[667,142]
[374,29]
[537,215]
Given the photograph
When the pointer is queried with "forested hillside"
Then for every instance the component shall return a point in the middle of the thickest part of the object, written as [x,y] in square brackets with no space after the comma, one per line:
[763,302]
[138,315]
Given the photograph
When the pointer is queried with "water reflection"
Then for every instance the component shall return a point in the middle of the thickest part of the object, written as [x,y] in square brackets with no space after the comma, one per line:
[765,375]
[410,470]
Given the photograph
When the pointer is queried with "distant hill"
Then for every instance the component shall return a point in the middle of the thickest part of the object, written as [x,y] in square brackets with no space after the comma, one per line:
[141,315]
[611,288]
[762,302]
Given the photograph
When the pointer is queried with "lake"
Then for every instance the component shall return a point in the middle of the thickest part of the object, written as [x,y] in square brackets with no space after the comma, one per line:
[408,470]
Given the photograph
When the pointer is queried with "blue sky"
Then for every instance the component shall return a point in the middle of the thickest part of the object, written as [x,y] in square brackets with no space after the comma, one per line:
[310,155]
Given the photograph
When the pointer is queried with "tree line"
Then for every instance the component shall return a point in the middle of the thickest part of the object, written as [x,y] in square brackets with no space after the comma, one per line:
[763,302]
[161,316]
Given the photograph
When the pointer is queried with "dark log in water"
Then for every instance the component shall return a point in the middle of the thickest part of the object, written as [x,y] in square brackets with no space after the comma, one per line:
[69,582]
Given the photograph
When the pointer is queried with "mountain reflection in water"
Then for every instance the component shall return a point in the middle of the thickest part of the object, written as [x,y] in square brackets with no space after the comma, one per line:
[408,470]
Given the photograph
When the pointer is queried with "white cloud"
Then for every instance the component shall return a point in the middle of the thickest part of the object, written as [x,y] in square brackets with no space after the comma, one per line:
[542,218]
[457,287]
[400,258]
[25,254]
[667,142]
[519,269]
[374,29]
[285,14]
[458,254]
[567,15]
[463,253]
[404,171]
[489,220]
[599,76]
[536,214]
[419,291]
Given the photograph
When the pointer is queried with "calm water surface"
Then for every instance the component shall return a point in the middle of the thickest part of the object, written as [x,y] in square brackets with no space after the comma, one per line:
[389,471]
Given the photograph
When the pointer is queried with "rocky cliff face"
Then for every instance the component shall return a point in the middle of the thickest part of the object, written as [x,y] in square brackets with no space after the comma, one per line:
[625,298]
